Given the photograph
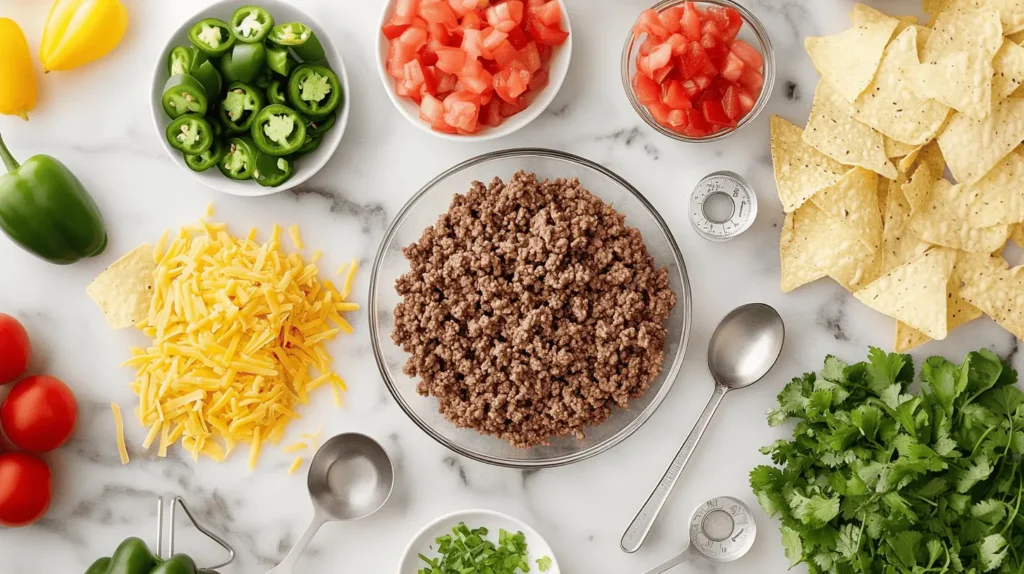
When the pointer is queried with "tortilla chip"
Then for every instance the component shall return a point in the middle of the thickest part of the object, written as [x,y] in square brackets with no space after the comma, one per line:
[960,80]
[890,104]
[894,149]
[854,201]
[814,245]
[124,290]
[915,293]
[899,245]
[1008,66]
[998,198]
[832,130]
[863,14]
[917,190]
[928,153]
[990,285]
[974,147]
[883,195]
[800,170]
[959,29]
[1016,37]
[1011,12]
[942,219]
[958,312]
[1017,234]
[848,60]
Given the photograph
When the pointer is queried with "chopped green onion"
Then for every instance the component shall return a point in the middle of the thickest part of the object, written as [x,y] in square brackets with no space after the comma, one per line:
[468,551]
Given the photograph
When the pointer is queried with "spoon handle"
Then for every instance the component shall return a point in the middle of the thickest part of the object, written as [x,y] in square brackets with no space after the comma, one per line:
[672,562]
[287,566]
[638,529]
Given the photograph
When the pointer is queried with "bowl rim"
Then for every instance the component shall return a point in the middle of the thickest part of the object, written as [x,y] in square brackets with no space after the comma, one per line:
[253,189]
[521,525]
[671,371]
[533,111]
[767,52]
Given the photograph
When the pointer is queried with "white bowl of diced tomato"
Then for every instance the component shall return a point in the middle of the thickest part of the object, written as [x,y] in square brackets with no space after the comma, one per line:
[698,71]
[473,69]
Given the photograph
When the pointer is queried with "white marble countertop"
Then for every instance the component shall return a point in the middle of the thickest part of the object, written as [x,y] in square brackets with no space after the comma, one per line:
[96,120]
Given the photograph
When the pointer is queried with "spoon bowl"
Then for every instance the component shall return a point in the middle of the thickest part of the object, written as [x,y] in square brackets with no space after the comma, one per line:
[350,477]
[746,345]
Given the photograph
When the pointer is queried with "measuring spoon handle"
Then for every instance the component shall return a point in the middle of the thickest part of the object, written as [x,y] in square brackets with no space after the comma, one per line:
[673,562]
[641,526]
[287,566]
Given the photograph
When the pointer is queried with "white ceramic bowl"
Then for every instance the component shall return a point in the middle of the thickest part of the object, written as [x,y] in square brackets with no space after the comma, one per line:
[541,100]
[307,165]
[424,541]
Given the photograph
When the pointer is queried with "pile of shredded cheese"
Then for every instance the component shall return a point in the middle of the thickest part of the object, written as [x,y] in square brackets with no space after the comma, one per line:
[239,331]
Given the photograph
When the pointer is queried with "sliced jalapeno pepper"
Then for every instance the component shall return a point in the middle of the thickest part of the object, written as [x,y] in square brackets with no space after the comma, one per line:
[240,159]
[251,24]
[183,94]
[264,79]
[280,60]
[207,159]
[308,146]
[190,134]
[300,38]
[314,90]
[212,36]
[275,93]
[320,126]
[239,107]
[209,77]
[180,60]
[271,170]
[243,63]
[278,130]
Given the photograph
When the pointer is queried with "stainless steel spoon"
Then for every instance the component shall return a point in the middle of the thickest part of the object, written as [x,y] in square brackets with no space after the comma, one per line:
[351,477]
[744,347]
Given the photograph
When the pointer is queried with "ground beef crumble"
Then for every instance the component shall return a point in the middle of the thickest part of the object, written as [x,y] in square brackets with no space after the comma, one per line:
[531,310]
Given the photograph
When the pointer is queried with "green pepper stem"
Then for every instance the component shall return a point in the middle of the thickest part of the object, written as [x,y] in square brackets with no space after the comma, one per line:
[9,161]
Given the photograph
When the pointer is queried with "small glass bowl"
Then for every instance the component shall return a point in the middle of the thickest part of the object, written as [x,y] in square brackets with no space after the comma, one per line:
[423,210]
[753,32]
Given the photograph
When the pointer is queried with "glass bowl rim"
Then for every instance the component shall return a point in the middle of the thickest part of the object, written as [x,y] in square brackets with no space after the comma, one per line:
[768,52]
[671,373]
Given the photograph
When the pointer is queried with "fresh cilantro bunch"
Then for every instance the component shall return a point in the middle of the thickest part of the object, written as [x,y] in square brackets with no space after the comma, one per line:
[882,479]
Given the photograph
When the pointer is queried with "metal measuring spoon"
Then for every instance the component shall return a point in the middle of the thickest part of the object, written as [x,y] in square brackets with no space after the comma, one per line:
[721,530]
[744,347]
[351,477]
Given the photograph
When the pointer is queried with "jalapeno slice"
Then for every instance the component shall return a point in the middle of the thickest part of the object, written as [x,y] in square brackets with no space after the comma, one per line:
[251,24]
[264,79]
[207,159]
[239,161]
[275,93]
[180,60]
[271,170]
[320,126]
[300,38]
[239,107]
[190,134]
[311,143]
[314,90]
[278,130]
[212,36]
[243,63]
[280,60]
[183,94]
[209,77]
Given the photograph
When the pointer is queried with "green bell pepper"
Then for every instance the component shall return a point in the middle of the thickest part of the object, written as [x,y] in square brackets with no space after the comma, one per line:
[278,130]
[183,94]
[275,93]
[212,36]
[243,63]
[314,90]
[177,564]
[251,24]
[132,557]
[99,567]
[47,211]
[239,162]
[190,134]
[272,171]
[301,39]
[239,108]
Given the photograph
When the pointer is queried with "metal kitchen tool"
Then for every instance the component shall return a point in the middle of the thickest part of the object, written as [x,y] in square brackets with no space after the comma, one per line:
[351,477]
[744,347]
[721,530]
[174,504]
[722,206]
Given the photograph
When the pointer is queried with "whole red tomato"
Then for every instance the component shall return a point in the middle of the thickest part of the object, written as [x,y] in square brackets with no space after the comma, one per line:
[24,489]
[39,414]
[14,349]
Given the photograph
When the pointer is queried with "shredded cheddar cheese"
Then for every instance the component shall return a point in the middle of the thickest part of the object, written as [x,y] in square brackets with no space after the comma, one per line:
[295,465]
[293,231]
[122,448]
[238,335]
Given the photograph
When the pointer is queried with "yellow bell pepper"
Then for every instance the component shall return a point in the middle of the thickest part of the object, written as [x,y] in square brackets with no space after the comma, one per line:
[80,31]
[17,80]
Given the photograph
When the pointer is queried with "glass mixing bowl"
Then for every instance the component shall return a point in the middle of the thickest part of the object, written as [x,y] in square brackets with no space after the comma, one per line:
[423,210]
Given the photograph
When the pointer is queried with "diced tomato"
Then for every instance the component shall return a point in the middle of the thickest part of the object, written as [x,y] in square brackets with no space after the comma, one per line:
[649,23]
[494,39]
[645,89]
[530,56]
[428,55]
[518,38]
[392,30]
[697,126]
[405,11]
[746,100]
[504,53]
[474,78]
[752,81]
[413,37]
[715,114]
[728,21]
[647,45]
[463,7]
[679,44]
[733,68]
[549,13]
[750,56]
[671,19]
[431,110]
[462,110]
[731,103]
[661,73]
[413,76]
[451,60]
[693,60]
[438,12]
[429,80]
[677,119]
[659,112]
[418,22]
[399,54]
[544,34]
[690,88]
[702,81]
[660,56]
[711,28]
[538,81]
[674,96]
[690,23]
[505,16]
[512,82]
[509,109]
[445,82]
[473,44]
[473,20]
[490,115]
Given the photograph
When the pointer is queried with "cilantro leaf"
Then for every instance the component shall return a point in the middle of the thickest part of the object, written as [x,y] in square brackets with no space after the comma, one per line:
[849,541]
[1004,400]
[815,510]
[834,370]
[992,552]
[793,545]
[884,369]
[942,381]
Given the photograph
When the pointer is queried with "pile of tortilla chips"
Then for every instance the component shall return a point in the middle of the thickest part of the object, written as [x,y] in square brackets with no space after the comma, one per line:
[864,188]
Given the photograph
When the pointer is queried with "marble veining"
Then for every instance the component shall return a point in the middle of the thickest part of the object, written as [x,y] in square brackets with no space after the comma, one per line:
[97,121]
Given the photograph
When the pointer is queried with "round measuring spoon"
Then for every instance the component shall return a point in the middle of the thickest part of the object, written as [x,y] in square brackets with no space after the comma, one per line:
[351,477]
[744,347]
[721,530]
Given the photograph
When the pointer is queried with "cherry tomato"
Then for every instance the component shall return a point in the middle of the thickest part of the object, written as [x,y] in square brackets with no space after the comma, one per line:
[24,489]
[14,349]
[39,414]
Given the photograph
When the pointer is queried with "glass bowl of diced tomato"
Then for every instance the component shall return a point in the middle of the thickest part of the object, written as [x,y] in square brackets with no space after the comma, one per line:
[473,69]
[698,71]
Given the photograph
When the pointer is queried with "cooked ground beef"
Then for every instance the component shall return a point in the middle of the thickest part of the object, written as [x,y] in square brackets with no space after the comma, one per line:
[531,310]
